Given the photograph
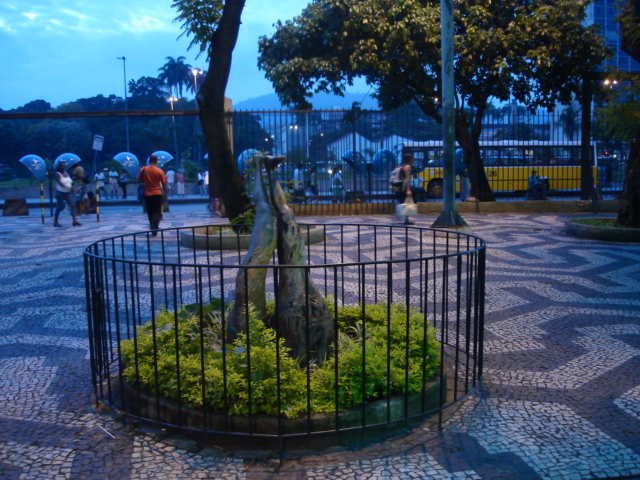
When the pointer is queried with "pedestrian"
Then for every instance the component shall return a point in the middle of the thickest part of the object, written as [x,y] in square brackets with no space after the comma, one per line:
[337,183]
[201,188]
[113,183]
[171,181]
[79,188]
[406,195]
[464,185]
[100,178]
[123,179]
[63,195]
[180,183]
[155,183]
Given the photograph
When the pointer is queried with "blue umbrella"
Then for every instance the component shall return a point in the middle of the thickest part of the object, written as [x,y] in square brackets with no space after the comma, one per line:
[384,160]
[244,157]
[35,164]
[69,159]
[163,157]
[129,162]
[355,160]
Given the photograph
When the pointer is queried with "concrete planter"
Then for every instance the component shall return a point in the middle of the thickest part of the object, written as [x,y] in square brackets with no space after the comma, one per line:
[226,239]
[599,232]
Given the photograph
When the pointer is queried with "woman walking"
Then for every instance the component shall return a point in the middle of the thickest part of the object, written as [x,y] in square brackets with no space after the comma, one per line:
[64,185]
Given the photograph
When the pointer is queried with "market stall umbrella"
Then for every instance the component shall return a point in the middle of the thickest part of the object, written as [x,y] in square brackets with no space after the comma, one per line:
[36,165]
[355,160]
[384,160]
[129,162]
[69,159]
[244,157]
[163,157]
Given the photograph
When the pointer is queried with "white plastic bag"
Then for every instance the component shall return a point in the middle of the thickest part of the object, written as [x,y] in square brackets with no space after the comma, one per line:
[407,209]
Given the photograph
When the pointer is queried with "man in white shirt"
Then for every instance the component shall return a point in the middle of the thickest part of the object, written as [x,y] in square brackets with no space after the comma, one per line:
[171,180]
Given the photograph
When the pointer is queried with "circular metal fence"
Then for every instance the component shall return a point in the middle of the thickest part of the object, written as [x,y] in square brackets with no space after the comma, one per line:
[171,342]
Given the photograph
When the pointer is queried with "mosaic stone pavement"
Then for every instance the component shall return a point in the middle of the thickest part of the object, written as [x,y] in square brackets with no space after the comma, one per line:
[560,400]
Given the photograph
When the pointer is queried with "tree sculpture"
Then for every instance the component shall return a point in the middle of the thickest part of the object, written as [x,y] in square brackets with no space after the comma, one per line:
[303,319]
[508,49]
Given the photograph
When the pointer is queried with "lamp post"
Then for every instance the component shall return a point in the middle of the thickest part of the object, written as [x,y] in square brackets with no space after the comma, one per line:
[449,216]
[195,72]
[172,100]
[197,152]
[126,101]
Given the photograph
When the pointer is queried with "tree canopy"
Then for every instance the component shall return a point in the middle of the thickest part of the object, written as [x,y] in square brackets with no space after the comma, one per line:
[533,52]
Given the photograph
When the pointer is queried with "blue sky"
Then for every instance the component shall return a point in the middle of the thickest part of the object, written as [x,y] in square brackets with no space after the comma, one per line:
[61,50]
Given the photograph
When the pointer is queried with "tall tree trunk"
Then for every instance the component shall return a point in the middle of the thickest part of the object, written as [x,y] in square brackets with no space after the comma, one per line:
[224,177]
[586,160]
[470,144]
[629,213]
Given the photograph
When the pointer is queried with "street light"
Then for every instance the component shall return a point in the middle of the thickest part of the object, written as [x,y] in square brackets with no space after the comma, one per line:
[172,100]
[126,101]
[195,72]
[197,147]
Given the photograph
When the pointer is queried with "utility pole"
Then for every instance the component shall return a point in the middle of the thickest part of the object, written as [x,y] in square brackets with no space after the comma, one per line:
[449,216]
[126,101]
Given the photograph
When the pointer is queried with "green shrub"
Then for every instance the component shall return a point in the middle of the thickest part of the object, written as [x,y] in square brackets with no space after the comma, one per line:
[382,376]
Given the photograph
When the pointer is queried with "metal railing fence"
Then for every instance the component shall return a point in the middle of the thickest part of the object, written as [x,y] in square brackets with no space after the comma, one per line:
[406,338]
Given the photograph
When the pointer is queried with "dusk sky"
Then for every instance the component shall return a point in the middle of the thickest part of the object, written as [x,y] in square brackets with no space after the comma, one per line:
[61,50]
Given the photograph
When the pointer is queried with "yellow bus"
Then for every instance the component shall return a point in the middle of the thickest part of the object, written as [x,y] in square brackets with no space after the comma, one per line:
[507,163]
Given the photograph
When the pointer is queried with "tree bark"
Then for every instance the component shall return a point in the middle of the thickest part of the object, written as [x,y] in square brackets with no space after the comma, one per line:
[224,178]
[303,317]
[250,282]
[586,160]
[470,143]
[629,213]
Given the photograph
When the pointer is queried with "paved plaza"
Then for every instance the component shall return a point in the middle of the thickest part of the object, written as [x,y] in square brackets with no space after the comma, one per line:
[560,396]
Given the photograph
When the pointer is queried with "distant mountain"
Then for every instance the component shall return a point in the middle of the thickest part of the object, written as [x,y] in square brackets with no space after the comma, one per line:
[320,101]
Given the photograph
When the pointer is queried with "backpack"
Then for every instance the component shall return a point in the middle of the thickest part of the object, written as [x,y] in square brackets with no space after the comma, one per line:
[395,179]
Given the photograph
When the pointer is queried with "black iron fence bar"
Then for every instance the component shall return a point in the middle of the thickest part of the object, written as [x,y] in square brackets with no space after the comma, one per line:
[481,274]
[436,233]
[117,315]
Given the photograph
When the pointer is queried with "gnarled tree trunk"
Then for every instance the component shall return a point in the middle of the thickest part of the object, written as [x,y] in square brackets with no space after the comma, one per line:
[250,282]
[224,178]
[302,317]
[629,213]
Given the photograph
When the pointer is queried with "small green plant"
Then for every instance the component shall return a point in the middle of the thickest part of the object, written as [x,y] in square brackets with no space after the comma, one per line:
[243,223]
[599,222]
[393,340]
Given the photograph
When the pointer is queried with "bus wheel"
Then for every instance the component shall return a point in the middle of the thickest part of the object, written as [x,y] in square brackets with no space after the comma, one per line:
[434,189]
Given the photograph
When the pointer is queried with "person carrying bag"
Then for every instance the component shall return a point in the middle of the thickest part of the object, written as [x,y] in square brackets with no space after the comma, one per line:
[406,207]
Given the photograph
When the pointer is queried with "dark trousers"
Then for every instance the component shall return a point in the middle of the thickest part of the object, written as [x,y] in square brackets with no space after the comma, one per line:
[154,210]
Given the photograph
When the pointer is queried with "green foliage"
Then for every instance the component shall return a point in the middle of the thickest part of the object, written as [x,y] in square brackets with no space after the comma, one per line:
[382,333]
[199,20]
[526,50]
[243,223]
[620,118]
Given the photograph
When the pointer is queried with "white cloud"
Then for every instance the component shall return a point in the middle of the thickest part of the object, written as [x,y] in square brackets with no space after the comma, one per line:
[4,26]
[145,24]
[30,15]
[74,14]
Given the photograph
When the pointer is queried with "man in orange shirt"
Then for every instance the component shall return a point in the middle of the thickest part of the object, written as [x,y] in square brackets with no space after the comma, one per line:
[154,181]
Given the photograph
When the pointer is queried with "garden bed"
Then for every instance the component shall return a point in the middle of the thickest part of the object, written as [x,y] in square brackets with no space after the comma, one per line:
[602,228]
[224,238]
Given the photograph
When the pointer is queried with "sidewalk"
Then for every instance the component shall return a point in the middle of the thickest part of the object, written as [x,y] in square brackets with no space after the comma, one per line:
[561,390]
